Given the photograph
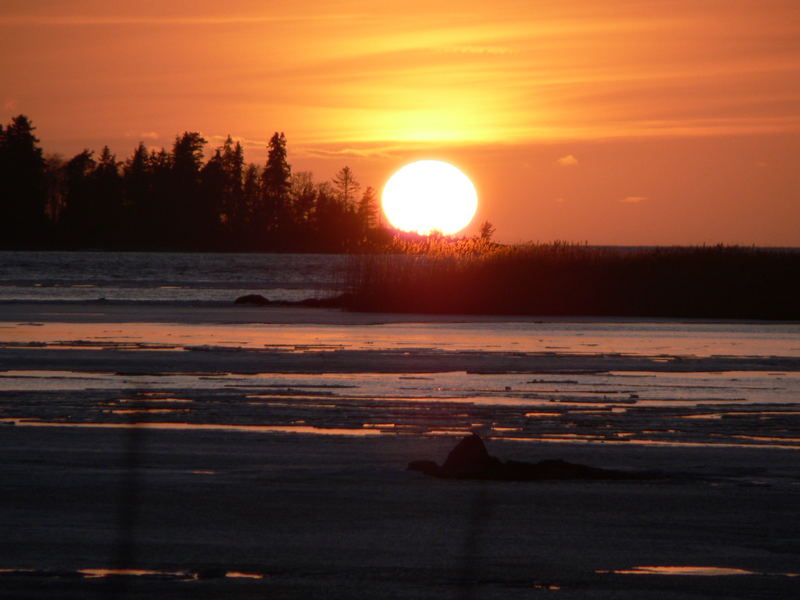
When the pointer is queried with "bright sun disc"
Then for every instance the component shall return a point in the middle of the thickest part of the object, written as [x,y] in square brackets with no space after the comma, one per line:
[429,195]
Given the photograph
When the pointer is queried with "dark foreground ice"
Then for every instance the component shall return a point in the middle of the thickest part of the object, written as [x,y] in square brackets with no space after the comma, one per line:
[339,517]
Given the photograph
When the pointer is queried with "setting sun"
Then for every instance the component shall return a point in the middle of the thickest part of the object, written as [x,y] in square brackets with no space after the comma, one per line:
[429,195]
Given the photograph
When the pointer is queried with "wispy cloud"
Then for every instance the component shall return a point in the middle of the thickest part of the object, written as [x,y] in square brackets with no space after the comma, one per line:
[633,199]
[89,20]
[365,152]
[568,161]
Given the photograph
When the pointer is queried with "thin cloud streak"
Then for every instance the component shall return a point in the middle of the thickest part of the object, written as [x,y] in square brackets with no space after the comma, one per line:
[89,20]
[367,152]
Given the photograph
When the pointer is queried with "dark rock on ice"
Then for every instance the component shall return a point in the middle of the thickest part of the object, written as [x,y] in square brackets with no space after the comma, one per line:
[211,573]
[339,301]
[257,299]
[470,460]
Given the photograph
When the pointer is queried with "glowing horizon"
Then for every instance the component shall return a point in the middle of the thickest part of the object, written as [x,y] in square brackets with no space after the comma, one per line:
[383,86]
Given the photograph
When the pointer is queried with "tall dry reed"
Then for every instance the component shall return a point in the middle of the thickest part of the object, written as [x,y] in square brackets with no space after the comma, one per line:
[474,276]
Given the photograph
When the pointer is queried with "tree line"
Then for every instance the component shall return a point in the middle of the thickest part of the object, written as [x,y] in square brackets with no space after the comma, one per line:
[176,200]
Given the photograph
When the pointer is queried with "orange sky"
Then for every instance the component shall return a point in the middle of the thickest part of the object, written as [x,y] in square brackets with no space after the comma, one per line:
[623,122]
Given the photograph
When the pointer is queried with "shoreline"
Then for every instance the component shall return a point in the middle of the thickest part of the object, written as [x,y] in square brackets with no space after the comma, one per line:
[77,311]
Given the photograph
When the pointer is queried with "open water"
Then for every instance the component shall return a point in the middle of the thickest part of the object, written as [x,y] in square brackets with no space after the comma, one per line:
[166,276]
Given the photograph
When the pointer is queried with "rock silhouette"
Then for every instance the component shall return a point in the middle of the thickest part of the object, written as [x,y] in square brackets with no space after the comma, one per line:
[328,302]
[256,299]
[470,460]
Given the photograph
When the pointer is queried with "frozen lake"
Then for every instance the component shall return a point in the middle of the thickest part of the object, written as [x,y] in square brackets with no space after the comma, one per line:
[177,447]
[623,382]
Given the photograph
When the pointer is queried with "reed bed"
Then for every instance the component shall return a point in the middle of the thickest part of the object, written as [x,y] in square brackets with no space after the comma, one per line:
[478,277]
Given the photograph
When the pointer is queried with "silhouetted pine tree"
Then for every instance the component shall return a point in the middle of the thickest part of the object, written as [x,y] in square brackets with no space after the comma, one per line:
[55,177]
[232,201]
[333,223]
[213,180]
[161,204]
[346,186]
[374,236]
[304,197]
[324,217]
[108,195]
[78,226]
[187,219]
[246,223]
[23,186]
[275,185]
[368,210]
[138,198]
